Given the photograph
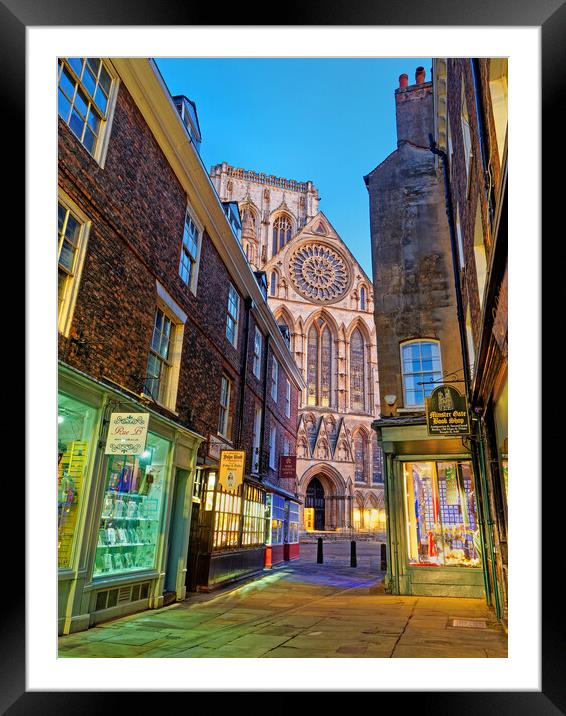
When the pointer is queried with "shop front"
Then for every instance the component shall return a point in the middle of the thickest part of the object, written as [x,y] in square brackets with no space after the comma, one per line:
[434,542]
[282,530]
[121,536]
[229,542]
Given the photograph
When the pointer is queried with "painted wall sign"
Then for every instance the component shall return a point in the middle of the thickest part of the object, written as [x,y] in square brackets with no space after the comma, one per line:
[447,412]
[127,433]
[288,467]
[231,468]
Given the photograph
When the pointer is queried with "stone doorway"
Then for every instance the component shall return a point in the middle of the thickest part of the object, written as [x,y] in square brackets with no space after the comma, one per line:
[314,500]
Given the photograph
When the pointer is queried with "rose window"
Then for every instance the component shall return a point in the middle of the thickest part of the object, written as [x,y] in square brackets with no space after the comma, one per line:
[319,273]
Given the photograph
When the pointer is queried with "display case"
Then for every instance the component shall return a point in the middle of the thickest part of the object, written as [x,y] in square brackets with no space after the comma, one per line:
[131,510]
[75,427]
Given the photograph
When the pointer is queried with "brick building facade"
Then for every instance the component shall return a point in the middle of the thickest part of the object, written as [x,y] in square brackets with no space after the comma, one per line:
[159,317]
[471,119]
[323,300]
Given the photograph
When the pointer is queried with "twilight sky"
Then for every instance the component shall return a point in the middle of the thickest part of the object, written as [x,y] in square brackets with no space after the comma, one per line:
[327,120]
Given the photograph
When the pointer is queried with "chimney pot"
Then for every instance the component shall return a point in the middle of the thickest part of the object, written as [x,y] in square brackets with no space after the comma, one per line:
[403,80]
[420,75]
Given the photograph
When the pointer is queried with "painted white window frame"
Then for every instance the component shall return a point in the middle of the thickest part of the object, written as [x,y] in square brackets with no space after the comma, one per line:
[232,319]
[194,264]
[101,146]
[66,310]
[287,398]
[403,373]
[171,309]
[274,379]
[258,347]
[272,446]
[224,412]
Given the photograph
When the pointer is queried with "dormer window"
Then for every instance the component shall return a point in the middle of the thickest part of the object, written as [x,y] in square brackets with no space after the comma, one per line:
[188,113]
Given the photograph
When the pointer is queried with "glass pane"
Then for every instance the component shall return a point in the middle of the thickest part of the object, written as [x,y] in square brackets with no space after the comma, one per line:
[105,80]
[61,217]
[89,139]
[94,64]
[67,256]
[131,510]
[75,433]
[76,124]
[76,63]
[428,350]
[423,516]
[101,100]
[63,106]
[81,103]
[89,81]
[72,230]
[458,515]
[93,121]
[67,84]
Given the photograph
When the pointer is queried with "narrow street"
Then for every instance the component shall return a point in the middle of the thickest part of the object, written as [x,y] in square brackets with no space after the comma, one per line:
[302,609]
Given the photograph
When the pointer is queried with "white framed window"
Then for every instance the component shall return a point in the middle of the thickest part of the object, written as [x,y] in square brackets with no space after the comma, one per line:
[190,251]
[164,357]
[258,343]
[286,446]
[287,398]
[466,131]
[86,92]
[232,316]
[459,238]
[255,439]
[274,379]
[421,371]
[273,447]
[72,234]
[224,416]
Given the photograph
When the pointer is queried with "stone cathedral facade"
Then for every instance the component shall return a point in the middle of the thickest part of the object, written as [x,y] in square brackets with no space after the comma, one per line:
[323,299]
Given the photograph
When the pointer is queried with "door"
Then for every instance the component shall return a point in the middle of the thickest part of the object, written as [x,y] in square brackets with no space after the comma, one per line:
[314,499]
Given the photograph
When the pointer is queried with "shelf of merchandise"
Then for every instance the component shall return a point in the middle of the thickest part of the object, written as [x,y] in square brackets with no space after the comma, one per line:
[72,465]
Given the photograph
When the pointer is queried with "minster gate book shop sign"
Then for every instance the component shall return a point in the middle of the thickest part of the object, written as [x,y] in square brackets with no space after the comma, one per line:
[127,433]
[447,412]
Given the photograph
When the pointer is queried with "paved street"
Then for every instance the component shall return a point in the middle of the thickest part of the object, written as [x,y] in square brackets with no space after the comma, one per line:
[301,609]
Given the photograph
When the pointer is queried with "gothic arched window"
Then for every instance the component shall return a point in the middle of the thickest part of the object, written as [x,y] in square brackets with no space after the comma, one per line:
[273,284]
[281,233]
[362,299]
[360,457]
[319,364]
[376,459]
[357,372]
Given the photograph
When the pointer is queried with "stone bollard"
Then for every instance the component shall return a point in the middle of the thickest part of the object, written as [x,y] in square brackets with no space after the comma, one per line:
[319,551]
[383,558]
[353,559]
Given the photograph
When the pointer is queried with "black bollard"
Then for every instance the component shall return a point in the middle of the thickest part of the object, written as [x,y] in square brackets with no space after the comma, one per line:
[383,558]
[353,560]
[319,551]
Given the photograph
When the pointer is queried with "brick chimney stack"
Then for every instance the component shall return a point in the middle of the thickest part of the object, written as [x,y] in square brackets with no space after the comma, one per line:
[414,109]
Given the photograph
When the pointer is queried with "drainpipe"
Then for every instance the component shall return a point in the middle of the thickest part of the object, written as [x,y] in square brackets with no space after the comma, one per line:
[474,448]
[248,304]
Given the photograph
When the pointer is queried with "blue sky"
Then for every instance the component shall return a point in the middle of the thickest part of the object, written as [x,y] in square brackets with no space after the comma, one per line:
[327,120]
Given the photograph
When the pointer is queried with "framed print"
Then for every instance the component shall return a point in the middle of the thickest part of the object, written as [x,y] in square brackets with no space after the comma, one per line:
[140,499]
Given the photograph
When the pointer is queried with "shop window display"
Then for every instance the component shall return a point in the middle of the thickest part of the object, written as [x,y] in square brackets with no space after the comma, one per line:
[292,522]
[75,427]
[277,519]
[254,517]
[442,528]
[131,510]
[227,518]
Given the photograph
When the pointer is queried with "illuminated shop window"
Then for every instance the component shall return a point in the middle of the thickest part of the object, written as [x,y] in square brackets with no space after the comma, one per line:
[442,526]
[292,522]
[83,97]
[254,517]
[227,518]
[277,519]
[134,489]
[422,371]
[75,432]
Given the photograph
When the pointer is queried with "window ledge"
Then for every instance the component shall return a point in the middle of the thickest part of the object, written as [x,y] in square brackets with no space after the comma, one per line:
[416,409]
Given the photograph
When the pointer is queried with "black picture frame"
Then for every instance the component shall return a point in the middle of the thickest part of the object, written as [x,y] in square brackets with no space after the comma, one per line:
[15,16]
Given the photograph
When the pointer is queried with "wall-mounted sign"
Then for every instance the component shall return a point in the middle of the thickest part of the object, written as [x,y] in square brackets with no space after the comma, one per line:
[447,412]
[231,473]
[288,467]
[127,433]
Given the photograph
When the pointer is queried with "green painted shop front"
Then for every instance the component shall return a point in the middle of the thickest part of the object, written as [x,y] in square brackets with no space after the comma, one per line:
[434,542]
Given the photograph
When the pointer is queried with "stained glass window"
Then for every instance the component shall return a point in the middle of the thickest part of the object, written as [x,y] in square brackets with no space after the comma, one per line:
[325,368]
[357,371]
[360,457]
[319,364]
[281,233]
[376,459]
[312,367]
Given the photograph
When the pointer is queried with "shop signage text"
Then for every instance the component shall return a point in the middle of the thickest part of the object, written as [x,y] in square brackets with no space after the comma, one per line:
[288,467]
[447,412]
[231,468]
[127,433]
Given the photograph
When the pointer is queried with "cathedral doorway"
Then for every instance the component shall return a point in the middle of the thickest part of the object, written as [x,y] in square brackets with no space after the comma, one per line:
[314,506]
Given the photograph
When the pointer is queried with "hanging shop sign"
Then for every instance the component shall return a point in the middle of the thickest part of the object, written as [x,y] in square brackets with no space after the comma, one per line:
[288,467]
[215,446]
[127,433]
[231,473]
[447,412]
